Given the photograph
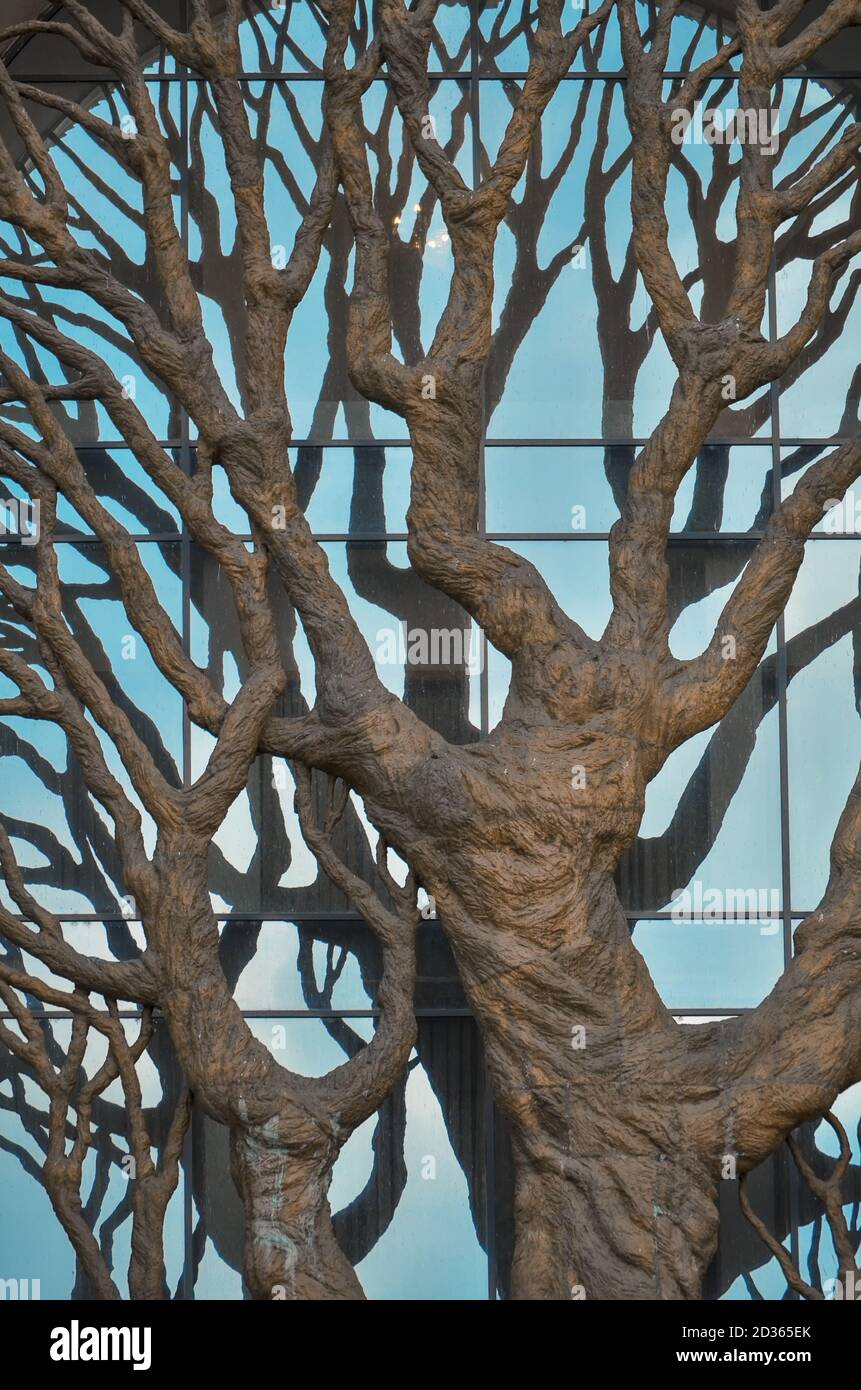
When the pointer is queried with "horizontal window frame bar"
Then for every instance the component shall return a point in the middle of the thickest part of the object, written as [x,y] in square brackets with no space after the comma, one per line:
[64,1015]
[100,446]
[61,537]
[468,74]
[348,918]
[699,538]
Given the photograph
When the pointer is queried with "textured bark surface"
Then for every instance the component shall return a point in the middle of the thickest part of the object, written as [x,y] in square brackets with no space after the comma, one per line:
[621,1119]
[282,1171]
[612,1200]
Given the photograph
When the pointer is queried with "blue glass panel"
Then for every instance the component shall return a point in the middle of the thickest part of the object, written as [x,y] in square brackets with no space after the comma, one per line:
[535,488]
[107,220]
[818,1259]
[430,1249]
[289,117]
[119,940]
[406,1202]
[96,613]
[713,965]
[824,732]
[301,967]
[577,572]
[33,1245]
[820,392]
[712,817]
[287,36]
[507,25]
[127,493]
[358,491]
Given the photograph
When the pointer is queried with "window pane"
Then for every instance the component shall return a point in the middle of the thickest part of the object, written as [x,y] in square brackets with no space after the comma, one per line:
[33,1245]
[824,734]
[712,965]
[567,489]
[408,1189]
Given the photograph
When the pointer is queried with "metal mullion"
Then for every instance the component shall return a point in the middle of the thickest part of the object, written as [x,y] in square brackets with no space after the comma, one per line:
[817,441]
[345,915]
[98,446]
[533,442]
[484,679]
[783,735]
[270,915]
[137,538]
[444,74]
[50,1015]
[503,75]
[618,75]
[622,441]
[678,537]
[782,672]
[440,1013]
[185,464]
[702,917]
[444,1012]
[185,447]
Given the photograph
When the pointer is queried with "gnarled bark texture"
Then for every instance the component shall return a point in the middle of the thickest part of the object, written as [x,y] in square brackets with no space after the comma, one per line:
[282,1172]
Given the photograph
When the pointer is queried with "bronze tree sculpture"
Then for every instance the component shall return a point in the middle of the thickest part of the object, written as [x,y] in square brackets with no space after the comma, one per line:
[622,1121]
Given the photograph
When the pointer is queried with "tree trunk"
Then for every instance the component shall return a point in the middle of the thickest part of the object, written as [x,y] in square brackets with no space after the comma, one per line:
[290,1248]
[147,1274]
[286,1131]
[629,1226]
[66,1202]
[613,1196]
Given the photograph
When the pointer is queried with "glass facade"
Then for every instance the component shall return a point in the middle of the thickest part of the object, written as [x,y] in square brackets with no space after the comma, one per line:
[578,376]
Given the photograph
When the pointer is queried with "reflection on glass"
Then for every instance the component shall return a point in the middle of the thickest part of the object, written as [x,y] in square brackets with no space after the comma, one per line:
[407,1191]
[33,1245]
[824,731]
[712,964]
[575,490]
